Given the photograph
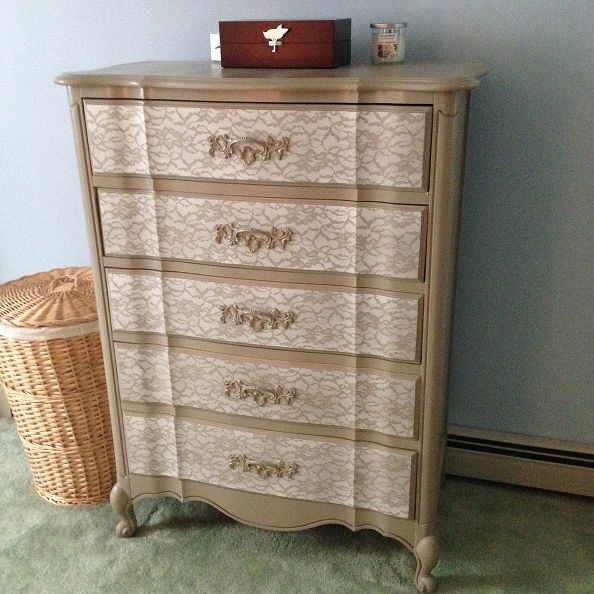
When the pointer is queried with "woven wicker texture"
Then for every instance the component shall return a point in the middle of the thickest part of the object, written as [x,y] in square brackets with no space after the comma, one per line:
[57,393]
[60,297]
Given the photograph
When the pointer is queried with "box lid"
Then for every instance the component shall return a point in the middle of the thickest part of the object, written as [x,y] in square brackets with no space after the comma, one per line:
[59,297]
[311,31]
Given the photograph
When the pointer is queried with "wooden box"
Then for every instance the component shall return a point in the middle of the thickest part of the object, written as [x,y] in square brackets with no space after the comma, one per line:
[285,44]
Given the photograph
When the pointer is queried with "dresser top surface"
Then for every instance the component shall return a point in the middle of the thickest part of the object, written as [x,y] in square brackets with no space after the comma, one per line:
[406,76]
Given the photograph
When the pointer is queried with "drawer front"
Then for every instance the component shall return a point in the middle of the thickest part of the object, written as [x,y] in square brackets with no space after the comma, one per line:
[386,241]
[350,474]
[340,321]
[379,146]
[320,396]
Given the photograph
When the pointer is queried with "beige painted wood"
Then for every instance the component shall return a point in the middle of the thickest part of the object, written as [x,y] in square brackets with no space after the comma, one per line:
[442,87]
[409,76]
[339,194]
[449,143]
[93,234]
[264,511]
[301,94]
[268,353]
[252,422]
[382,284]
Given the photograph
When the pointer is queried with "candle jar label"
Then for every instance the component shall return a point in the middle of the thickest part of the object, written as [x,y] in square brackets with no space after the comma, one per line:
[387,45]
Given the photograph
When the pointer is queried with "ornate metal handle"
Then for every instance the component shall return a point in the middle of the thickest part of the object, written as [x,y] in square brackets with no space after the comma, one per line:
[263,470]
[249,149]
[257,320]
[253,238]
[261,396]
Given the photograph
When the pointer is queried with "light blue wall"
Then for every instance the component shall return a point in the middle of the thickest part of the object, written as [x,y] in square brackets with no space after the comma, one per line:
[522,356]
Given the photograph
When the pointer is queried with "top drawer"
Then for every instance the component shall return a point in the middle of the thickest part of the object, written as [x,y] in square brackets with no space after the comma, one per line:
[386,146]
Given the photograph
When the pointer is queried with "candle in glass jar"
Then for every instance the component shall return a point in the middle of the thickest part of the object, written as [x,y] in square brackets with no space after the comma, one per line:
[387,41]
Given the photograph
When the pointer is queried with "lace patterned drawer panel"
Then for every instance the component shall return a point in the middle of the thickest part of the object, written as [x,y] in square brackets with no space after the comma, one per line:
[383,146]
[353,475]
[341,321]
[385,241]
[319,396]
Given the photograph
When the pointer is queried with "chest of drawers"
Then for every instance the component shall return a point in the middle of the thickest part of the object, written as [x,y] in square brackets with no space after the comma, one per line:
[274,255]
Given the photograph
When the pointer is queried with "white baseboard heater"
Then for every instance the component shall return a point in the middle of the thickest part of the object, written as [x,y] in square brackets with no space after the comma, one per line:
[521,460]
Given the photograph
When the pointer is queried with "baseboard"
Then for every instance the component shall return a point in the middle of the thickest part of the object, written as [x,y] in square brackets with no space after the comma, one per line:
[521,460]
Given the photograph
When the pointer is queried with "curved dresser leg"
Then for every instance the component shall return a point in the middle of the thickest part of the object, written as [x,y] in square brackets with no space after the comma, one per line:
[427,554]
[122,505]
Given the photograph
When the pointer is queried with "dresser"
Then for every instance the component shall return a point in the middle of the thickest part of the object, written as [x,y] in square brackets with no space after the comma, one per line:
[275,254]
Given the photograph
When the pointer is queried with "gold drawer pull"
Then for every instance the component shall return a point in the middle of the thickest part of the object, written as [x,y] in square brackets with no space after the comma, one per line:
[253,238]
[257,320]
[238,390]
[282,469]
[249,149]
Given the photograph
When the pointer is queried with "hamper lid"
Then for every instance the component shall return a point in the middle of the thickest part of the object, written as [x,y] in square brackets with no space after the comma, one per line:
[60,297]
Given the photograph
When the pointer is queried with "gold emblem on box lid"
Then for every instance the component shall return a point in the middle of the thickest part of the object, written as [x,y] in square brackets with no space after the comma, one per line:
[275,35]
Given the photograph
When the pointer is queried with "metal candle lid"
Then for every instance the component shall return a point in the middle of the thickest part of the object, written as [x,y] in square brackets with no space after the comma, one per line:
[387,25]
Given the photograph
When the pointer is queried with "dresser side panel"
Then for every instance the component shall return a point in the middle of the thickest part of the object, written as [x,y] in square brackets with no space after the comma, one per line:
[95,250]
[451,117]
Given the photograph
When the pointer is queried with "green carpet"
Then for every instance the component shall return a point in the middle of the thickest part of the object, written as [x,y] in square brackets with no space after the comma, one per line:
[495,539]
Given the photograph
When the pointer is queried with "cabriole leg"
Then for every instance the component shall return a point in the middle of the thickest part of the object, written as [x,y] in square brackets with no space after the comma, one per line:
[122,505]
[427,554]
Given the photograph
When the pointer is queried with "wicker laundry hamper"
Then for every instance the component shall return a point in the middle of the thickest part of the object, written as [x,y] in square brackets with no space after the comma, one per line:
[51,368]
